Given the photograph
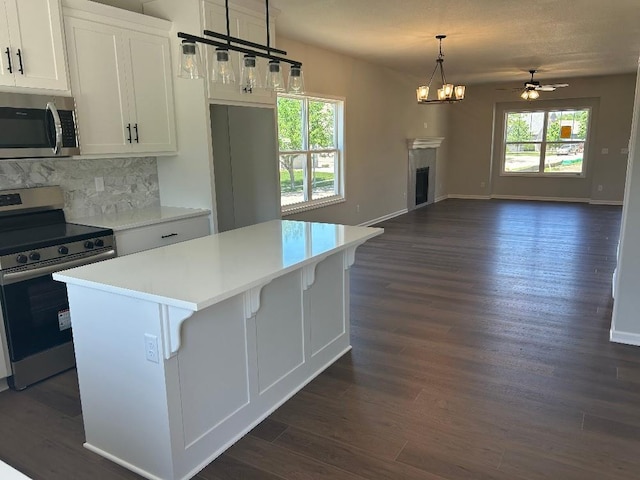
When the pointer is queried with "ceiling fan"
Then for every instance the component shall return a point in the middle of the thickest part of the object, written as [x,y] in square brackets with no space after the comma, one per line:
[532,87]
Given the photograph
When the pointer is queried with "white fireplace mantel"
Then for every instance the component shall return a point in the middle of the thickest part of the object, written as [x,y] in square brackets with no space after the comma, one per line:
[425,142]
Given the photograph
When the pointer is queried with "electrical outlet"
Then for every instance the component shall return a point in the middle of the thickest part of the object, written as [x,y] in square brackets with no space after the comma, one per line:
[358,208]
[482,184]
[425,124]
[605,151]
[599,188]
[99,184]
[151,348]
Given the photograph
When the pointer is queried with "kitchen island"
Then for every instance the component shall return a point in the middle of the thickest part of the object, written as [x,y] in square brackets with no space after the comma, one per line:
[181,350]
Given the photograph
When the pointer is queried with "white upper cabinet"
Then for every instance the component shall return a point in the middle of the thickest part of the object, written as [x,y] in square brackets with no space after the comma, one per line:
[32,47]
[121,80]
[245,24]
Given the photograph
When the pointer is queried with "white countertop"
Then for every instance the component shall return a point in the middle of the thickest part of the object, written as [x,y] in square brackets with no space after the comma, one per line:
[199,273]
[9,473]
[140,217]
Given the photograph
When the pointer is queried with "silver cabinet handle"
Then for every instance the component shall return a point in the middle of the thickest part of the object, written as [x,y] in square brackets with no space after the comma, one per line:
[51,107]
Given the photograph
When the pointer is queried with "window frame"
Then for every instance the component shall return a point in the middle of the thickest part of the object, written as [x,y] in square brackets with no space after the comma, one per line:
[546,109]
[307,152]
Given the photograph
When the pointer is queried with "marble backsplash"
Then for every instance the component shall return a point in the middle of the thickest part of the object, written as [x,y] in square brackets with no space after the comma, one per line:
[129,183]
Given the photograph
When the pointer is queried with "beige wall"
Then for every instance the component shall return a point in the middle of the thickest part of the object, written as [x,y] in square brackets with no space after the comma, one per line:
[472,160]
[381,113]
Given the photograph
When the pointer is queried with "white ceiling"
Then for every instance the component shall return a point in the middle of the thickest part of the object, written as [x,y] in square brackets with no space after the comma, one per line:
[487,40]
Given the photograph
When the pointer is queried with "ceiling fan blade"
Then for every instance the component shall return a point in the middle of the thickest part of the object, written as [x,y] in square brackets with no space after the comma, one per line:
[545,88]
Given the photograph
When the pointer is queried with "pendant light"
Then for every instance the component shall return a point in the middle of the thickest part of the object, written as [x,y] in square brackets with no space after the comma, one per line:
[190,62]
[275,79]
[296,80]
[250,79]
[222,70]
[448,93]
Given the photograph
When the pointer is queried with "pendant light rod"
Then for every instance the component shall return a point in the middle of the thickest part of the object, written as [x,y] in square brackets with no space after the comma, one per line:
[266,3]
[226,10]
[240,41]
[236,48]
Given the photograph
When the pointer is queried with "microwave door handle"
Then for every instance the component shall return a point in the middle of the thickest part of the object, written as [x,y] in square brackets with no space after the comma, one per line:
[57,125]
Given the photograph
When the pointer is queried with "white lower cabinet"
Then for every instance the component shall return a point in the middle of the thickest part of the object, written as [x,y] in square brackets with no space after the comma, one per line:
[158,235]
[121,80]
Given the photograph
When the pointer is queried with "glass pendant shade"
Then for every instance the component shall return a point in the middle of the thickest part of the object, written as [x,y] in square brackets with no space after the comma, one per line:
[441,94]
[190,62]
[296,79]
[249,78]
[459,91]
[525,95]
[422,92]
[448,90]
[533,94]
[222,71]
[275,80]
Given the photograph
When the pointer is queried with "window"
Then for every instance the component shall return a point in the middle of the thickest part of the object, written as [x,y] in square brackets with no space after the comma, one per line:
[311,154]
[547,142]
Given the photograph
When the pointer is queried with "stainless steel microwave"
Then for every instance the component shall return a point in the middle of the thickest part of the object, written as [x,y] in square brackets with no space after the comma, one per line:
[37,126]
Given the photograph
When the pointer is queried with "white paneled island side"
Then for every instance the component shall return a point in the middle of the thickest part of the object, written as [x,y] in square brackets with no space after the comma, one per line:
[181,350]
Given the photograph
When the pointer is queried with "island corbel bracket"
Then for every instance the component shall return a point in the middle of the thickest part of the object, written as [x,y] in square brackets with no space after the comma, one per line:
[252,301]
[309,273]
[172,319]
[350,256]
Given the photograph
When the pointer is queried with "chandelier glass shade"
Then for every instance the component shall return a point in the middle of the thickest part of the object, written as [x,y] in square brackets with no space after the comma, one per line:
[448,93]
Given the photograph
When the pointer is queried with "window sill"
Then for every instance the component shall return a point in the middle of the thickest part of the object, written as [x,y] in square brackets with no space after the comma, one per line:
[544,175]
[303,207]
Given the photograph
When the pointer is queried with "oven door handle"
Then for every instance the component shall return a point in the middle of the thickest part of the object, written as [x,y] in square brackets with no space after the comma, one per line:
[57,125]
[14,277]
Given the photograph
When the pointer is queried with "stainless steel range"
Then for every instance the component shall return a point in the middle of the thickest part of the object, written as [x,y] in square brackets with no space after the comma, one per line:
[35,241]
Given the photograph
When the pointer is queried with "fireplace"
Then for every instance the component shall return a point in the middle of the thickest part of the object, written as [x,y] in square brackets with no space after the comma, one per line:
[422,185]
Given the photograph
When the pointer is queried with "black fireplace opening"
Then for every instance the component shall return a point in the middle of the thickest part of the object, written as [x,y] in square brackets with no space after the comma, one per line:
[422,185]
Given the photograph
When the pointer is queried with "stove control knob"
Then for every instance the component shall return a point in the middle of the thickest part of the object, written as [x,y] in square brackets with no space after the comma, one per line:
[99,242]
[88,244]
[63,250]
[34,256]
[21,258]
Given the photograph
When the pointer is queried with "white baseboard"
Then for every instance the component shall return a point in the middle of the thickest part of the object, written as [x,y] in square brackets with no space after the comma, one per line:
[625,337]
[468,197]
[605,202]
[383,218]
[541,199]
[440,198]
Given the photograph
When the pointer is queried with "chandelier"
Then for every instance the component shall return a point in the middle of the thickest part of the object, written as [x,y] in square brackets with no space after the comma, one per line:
[222,71]
[447,93]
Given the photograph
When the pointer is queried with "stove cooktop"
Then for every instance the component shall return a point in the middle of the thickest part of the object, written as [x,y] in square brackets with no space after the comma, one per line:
[33,238]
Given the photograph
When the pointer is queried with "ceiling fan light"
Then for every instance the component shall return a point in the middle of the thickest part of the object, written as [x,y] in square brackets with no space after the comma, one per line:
[533,95]
[525,95]
[422,93]
[459,91]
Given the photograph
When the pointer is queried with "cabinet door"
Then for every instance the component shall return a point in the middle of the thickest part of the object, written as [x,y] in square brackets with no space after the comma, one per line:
[98,80]
[35,29]
[6,77]
[151,93]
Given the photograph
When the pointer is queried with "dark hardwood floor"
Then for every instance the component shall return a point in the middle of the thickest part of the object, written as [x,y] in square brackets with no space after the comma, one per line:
[480,351]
